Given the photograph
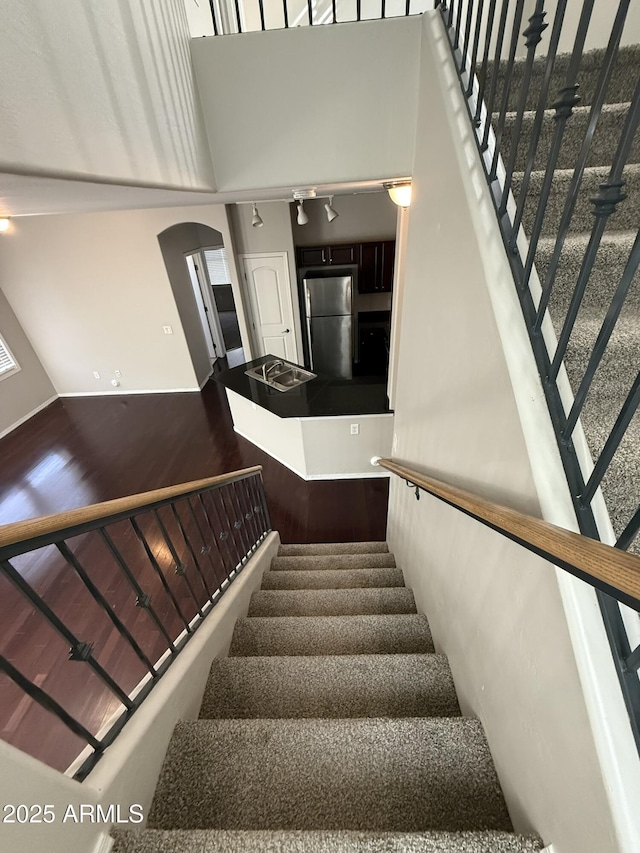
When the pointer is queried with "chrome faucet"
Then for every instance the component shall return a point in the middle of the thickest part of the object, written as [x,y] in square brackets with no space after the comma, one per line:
[268,366]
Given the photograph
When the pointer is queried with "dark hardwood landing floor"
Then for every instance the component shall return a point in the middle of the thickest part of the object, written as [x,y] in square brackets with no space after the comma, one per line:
[87,449]
[84,450]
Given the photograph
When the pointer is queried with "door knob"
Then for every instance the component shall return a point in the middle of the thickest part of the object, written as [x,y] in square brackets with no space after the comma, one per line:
[286,331]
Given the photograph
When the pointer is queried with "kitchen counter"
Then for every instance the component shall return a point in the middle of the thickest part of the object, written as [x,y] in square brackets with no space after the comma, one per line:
[321,397]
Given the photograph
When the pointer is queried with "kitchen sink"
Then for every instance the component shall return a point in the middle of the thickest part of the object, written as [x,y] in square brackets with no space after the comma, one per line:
[281,375]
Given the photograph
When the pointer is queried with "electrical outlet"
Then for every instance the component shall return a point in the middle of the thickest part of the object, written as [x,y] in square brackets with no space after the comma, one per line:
[96,375]
[168,330]
[355,429]
[117,374]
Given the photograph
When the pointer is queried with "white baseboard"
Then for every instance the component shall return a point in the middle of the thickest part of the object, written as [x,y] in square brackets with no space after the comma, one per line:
[367,476]
[30,415]
[120,393]
[104,843]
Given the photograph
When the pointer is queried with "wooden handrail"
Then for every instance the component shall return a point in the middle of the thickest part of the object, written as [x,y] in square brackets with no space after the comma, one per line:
[612,570]
[19,531]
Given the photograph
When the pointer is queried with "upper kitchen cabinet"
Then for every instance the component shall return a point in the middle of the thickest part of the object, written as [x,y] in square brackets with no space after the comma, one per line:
[316,256]
[375,267]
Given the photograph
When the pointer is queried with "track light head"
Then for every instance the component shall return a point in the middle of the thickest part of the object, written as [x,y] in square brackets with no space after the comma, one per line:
[256,219]
[331,213]
[302,216]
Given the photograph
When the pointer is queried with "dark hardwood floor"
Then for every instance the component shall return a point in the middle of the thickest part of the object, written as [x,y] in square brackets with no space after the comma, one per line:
[83,450]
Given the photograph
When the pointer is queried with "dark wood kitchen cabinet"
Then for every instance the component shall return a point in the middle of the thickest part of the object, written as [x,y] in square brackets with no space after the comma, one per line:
[318,256]
[376,267]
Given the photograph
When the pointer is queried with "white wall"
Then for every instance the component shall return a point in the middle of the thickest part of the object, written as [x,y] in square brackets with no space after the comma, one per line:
[494,610]
[30,389]
[101,90]
[310,105]
[92,293]
[274,236]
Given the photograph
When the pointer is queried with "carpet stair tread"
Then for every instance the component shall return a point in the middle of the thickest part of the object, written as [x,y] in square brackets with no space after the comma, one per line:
[334,561]
[323,548]
[331,602]
[398,774]
[333,579]
[319,841]
[625,218]
[331,635]
[412,685]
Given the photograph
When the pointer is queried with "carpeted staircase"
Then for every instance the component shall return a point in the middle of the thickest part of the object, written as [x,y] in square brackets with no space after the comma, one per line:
[619,368]
[331,727]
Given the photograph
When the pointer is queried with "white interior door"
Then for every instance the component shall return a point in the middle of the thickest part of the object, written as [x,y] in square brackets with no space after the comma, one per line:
[206,308]
[268,284]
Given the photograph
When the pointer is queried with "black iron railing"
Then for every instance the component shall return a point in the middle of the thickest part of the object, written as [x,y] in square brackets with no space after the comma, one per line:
[239,16]
[122,589]
[507,74]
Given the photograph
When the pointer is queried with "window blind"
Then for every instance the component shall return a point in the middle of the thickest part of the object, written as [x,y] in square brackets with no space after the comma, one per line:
[217,266]
[8,364]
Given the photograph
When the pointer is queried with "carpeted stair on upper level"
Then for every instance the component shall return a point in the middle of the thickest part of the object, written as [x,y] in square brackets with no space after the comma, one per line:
[332,727]
[620,365]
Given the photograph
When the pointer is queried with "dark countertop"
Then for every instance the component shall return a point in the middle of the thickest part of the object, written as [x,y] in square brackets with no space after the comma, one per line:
[320,397]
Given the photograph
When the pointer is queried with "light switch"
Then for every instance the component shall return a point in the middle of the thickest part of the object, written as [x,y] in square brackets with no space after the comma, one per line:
[96,375]
[168,330]
[355,429]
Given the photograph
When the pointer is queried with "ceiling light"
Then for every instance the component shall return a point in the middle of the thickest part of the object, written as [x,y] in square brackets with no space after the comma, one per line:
[331,213]
[302,216]
[5,222]
[256,219]
[399,192]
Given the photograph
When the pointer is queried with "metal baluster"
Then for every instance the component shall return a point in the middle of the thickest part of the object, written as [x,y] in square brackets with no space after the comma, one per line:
[206,544]
[515,32]
[539,120]
[482,79]
[285,12]
[576,178]
[629,533]
[633,661]
[616,435]
[467,34]
[265,507]
[49,704]
[309,5]
[261,7]
[450,16]
[213,17]
[358,9]
[238,19]
[249,514]
[383,10]
[99,598]
[474,50]
[187,542]
[407,10]
[533,35]
[227,520]
[223,536]
[240,522]
[563,105]
[181,568]
[254,504]
[143,599]
[456,37]
[80,651]
[605,204]
[156,568]
[502,25]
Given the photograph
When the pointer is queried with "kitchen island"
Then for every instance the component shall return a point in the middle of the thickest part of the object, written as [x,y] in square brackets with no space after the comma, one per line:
[323,429]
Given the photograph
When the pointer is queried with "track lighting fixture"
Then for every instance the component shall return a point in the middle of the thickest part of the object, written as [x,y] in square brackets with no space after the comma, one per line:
[302,216]
[399,192]
[256,219]
[331,213]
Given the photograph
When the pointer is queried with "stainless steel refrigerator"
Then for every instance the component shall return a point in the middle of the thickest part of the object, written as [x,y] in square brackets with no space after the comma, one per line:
[328,316]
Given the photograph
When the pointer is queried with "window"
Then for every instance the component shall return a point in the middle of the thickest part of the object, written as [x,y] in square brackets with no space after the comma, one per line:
[217,266]
[8,364]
